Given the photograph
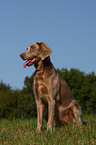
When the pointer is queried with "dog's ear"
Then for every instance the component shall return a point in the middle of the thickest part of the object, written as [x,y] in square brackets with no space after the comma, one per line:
[45,50]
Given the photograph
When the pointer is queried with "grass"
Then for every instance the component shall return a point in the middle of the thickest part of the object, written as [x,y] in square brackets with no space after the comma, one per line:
[23,132]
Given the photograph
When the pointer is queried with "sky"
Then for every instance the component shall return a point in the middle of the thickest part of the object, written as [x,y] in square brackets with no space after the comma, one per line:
[67,26]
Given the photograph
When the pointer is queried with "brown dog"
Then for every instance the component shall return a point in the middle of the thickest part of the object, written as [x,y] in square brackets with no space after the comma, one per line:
[50,89]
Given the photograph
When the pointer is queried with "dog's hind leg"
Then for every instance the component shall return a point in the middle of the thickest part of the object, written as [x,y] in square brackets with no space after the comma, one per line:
[77,114]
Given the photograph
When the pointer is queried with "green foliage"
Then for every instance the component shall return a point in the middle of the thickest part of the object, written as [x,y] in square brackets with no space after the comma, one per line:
[18,103]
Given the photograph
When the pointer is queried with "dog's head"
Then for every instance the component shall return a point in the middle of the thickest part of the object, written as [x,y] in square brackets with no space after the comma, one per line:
[35,51]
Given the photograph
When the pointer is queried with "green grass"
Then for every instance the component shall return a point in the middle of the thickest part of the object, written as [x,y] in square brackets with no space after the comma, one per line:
[23,132]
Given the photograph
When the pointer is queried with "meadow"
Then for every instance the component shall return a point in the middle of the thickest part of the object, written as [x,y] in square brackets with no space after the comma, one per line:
[23,132]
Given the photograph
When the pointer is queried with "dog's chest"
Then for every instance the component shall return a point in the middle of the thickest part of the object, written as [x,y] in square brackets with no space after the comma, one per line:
[41,88]
[46,87]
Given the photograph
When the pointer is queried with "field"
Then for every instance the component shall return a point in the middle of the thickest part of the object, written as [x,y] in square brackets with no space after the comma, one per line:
[23,132]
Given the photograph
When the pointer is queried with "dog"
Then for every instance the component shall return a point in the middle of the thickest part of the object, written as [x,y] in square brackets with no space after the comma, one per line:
[50,89]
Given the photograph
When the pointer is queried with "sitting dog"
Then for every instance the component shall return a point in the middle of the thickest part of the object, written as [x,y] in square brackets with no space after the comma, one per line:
[50,89]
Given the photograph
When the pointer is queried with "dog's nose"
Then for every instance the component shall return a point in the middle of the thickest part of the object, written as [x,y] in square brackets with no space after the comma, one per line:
[21,55]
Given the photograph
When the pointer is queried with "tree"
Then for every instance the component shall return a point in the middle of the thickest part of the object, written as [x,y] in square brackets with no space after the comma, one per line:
[18,103]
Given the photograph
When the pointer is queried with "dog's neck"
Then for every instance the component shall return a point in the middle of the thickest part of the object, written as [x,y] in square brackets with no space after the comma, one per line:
[41,64]
[47,61]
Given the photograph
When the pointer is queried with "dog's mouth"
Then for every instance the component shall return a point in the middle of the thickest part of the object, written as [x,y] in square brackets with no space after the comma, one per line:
[30,62]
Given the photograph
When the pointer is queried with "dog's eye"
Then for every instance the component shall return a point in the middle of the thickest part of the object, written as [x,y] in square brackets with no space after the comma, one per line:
[32,47]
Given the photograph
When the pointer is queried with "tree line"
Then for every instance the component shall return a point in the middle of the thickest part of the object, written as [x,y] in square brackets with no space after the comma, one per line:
[21,103]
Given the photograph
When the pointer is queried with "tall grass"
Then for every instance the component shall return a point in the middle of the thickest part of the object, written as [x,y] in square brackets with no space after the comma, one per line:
[23,132]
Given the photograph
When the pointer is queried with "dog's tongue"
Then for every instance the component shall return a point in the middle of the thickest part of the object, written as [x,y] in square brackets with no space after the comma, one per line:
[29,62]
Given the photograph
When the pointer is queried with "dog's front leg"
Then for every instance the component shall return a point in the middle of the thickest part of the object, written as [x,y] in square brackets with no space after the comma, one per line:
[40,108]
[51,112]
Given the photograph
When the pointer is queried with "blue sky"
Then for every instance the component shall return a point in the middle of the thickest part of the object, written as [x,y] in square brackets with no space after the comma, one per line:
[67,26]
